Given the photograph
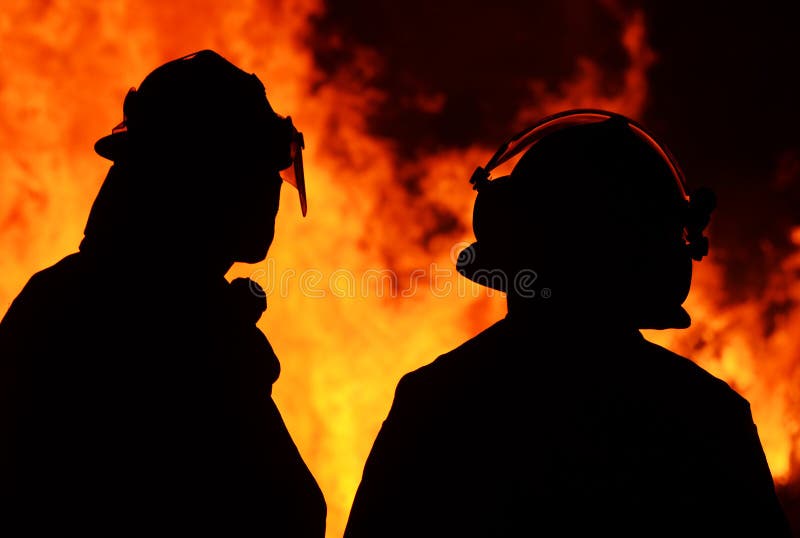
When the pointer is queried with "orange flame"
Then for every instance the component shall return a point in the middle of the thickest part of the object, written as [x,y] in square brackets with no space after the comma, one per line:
[363,290]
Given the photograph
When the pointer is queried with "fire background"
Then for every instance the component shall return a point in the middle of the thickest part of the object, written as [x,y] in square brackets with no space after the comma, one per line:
[399,101]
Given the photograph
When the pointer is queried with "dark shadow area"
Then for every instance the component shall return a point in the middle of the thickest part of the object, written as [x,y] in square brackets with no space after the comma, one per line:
[136,387]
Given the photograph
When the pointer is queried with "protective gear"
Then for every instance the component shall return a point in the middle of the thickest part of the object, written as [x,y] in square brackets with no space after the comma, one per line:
[170,112]
[607,196]
[186,438]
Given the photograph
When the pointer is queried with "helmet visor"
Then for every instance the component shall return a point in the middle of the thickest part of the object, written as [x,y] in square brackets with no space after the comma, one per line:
[294,175]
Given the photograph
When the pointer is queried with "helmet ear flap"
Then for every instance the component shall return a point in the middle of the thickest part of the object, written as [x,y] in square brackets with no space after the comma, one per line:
[493,212]
[702,203]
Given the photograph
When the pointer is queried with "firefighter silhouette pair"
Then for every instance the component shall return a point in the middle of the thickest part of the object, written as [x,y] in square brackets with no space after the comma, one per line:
[136,387]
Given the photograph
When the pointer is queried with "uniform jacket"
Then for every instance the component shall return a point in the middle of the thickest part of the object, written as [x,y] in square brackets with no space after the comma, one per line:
[137,401]
[534,429]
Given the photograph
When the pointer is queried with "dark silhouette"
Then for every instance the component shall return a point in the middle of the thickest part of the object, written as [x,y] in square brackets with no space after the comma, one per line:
[136,387]
[561,419]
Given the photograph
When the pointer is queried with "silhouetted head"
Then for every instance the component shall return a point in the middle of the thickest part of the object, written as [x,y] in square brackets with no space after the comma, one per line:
[197,161]
[595,211]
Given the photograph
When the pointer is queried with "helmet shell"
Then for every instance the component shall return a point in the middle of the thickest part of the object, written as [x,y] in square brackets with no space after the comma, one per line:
[193,104]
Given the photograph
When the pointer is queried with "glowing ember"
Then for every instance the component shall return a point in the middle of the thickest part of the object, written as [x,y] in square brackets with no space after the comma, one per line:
[363,290]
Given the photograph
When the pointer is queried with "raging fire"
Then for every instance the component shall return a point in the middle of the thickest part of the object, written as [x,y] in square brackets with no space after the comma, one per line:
[363,290]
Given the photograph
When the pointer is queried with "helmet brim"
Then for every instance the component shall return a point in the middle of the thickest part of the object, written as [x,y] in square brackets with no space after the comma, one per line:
[113,146]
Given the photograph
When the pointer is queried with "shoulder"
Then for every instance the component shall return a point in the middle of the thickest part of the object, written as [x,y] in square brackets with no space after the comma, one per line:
[38,309]
[465,355]
[58,274]
[464,366]
[44,307]
[666,372]
[47,285]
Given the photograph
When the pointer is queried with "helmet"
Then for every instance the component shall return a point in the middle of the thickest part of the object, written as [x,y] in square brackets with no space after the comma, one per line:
[599,209]
[202,100]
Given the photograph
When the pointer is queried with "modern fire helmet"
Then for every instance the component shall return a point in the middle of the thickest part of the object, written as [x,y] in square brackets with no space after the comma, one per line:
[598,209]
[203,101]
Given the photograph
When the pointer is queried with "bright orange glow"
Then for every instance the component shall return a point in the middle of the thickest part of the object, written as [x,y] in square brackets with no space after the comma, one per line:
[64,71]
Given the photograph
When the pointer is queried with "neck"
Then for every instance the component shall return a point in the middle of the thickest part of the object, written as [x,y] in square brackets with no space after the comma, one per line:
[149,260]
[552,312]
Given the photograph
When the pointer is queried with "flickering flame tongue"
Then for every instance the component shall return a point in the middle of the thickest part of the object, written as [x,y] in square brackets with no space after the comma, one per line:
[364,289]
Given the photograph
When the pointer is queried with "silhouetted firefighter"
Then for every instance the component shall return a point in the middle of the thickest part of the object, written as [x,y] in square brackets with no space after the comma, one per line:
[561,419]
[136,386]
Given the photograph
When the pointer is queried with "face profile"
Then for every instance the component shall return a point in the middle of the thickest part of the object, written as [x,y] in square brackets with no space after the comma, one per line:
[251,227]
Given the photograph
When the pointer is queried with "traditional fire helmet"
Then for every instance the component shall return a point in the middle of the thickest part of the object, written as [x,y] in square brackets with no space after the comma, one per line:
[598,209]
[199,102]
